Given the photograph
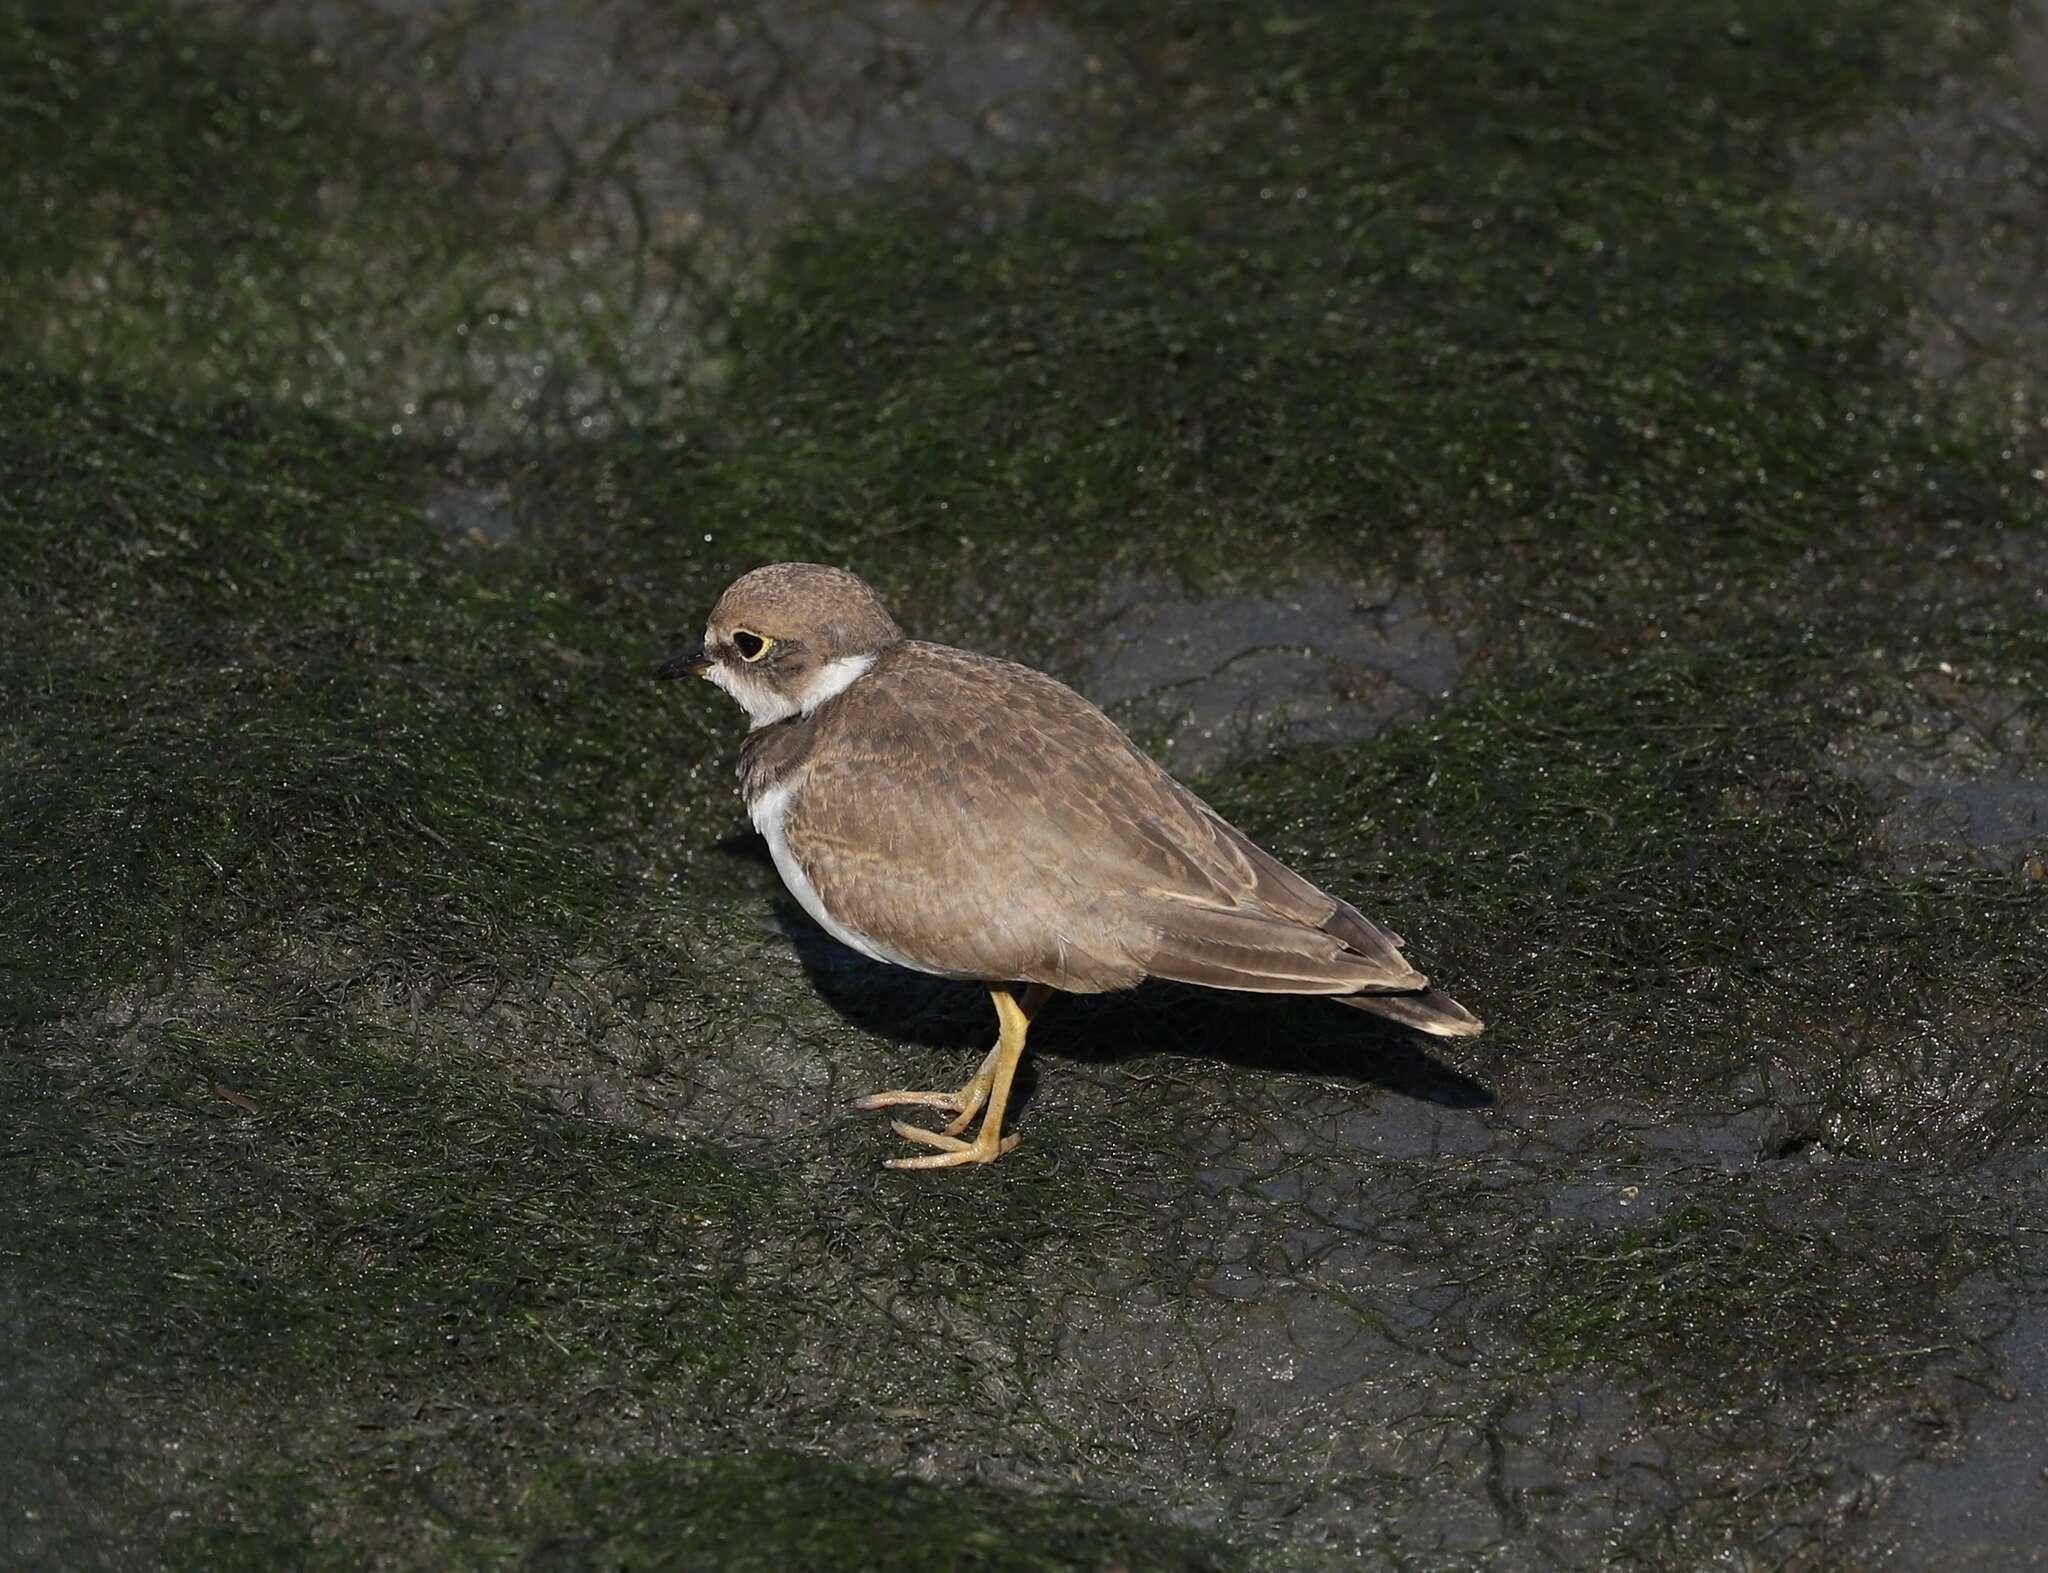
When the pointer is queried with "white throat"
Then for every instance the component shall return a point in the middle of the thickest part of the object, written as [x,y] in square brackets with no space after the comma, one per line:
[765,706]
[834,678]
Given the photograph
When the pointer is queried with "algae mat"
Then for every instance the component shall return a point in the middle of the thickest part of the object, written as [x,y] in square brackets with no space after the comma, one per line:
[1562,482]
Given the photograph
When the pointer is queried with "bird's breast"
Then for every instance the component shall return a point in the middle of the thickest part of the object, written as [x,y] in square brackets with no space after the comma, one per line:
[771,809]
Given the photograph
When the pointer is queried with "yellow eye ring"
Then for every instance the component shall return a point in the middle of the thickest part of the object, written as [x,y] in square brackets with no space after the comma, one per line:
[750,645]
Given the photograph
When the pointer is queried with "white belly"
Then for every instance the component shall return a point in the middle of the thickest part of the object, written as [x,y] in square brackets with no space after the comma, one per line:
[769,811]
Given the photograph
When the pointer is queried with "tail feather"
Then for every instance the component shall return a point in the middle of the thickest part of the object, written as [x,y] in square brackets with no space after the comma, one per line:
[1428,1010]
[1263,954]
[1348,958]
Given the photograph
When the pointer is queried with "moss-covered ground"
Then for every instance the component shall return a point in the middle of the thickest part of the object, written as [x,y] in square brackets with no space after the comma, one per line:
[427,1139]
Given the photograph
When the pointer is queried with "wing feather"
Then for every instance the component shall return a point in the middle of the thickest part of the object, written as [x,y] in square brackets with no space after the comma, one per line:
[1262,954]
[989,821]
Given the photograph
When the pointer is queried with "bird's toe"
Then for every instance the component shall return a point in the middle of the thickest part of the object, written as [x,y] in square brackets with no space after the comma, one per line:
[954,1152]
[949,1101]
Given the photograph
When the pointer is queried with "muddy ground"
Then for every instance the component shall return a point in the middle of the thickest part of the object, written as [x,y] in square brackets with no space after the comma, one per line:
[1573,484]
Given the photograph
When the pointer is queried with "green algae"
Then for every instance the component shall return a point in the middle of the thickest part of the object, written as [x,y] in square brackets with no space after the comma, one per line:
[769,1512]
[779,1511]
[1674,857]
[350,1258]
[353,1207]
[313,803]
[257,697]
[1447,323]
[262,219]
[1717,1304]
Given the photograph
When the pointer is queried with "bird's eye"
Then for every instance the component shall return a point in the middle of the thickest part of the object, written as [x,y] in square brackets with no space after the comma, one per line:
[750,646]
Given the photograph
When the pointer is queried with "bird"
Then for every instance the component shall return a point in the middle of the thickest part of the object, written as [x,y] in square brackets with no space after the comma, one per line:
[975,819]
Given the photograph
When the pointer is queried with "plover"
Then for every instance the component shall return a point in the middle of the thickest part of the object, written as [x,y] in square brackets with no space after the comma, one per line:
[973,818]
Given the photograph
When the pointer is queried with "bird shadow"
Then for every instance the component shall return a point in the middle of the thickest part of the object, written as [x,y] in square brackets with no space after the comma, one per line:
[1256,1032]
[745,846]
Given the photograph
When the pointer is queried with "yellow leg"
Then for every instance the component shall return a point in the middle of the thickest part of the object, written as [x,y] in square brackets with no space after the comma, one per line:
[991,1085]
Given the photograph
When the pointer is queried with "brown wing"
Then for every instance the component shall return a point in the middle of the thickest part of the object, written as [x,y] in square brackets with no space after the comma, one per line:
[987,821]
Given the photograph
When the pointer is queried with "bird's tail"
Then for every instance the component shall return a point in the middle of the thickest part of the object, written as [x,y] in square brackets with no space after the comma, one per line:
[1426,1010]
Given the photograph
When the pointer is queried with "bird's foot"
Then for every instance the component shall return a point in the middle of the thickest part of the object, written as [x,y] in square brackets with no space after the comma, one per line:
[988,1089]
[985,1148]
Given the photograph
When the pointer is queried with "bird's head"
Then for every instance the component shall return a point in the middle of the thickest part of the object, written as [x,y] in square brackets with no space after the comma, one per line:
[785,638]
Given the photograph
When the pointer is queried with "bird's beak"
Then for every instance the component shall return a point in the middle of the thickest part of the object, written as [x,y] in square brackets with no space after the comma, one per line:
[692,663]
